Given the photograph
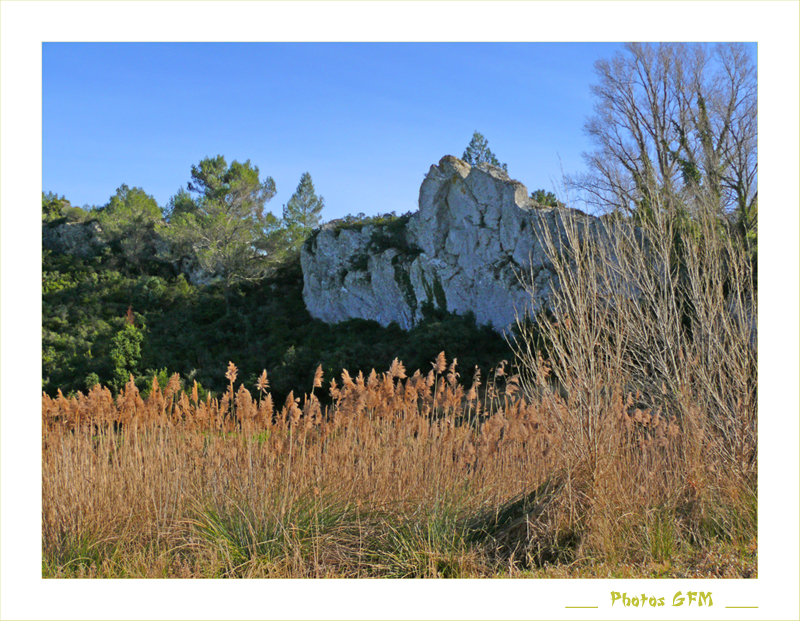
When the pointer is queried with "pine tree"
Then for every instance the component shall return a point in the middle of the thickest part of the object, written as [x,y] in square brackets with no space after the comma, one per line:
[226,227]
[478,151]
[301,214]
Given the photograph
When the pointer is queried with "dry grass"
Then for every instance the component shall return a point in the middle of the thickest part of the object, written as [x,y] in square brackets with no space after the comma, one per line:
[400,477]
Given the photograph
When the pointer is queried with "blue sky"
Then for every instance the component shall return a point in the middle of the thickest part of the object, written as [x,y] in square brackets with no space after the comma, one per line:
[367,120]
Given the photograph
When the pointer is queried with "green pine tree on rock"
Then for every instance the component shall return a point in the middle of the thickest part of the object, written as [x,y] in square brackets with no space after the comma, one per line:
[478,151]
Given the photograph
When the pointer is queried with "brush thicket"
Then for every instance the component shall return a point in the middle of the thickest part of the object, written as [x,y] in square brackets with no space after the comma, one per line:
[653,367]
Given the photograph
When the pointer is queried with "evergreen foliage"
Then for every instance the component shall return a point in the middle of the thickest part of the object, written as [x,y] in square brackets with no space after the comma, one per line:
[301,214]
[53,207]
[478,152]
[126,351]
[227,230]
[546,199]
[181,203]
[130,219]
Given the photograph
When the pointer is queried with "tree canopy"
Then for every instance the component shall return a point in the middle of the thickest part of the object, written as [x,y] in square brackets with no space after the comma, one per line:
[181,203]
[225,226]
[674,119]
[545,198]
[301,214]
[130,218]
[478,151]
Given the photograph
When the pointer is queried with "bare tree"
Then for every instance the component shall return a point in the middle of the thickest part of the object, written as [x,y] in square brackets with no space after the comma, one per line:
[677,119]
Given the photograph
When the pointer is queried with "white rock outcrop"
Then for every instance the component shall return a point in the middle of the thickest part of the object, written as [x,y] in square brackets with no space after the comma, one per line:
[463,251]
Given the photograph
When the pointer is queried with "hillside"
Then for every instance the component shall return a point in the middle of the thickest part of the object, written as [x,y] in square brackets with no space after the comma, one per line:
[88,299]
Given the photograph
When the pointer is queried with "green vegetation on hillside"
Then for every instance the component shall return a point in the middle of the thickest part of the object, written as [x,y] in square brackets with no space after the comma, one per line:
[188,329]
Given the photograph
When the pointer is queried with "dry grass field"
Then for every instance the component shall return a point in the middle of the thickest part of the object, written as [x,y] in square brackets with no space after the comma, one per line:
[401,477]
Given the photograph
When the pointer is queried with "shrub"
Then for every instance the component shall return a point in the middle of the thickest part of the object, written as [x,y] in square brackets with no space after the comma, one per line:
[126,351]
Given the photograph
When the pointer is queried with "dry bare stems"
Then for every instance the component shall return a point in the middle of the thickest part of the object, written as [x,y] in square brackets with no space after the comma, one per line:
[653,347]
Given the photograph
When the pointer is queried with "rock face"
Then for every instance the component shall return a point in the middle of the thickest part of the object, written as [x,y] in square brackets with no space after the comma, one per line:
[474,233]
[77,238]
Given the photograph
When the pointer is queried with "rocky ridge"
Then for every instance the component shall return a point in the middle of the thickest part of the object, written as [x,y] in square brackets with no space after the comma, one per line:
[463,251]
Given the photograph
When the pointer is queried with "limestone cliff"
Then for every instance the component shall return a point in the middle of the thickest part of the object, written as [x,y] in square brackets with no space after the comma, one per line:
[474,233]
